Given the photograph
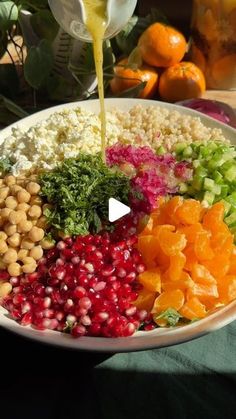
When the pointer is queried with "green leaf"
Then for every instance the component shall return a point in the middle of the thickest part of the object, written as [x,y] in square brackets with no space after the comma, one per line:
[38,64]
[127,39]
[8,14]
[9,80]
[170,315]
[44,25]
[34,5]
[59,88]
[12,107]
[5,165]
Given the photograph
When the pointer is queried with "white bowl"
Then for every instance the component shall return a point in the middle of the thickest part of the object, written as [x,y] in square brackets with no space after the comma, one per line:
[141,340]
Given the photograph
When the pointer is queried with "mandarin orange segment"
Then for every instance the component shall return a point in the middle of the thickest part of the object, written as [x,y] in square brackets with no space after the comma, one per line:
[203,292]
[202,275]
[183,283]
[193,309]
[222,242]
[171,207]
[218,266]
[227,289]
[147,248]
[214,216]
[232,266]
[189,212]
[202,246]
[145,300]
[168,299]
[191,258]
[191,231]
[151,280]
[177,263]
[171,242]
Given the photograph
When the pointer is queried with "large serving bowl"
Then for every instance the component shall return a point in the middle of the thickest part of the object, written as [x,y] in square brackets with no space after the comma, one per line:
[141,340]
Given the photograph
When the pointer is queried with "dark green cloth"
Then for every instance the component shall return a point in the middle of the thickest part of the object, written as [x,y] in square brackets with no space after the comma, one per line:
[195,380]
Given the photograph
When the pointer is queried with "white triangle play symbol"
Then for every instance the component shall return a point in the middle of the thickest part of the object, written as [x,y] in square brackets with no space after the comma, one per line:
[116,210]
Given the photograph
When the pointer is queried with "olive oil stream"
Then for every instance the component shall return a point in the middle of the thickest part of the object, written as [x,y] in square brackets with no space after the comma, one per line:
[96,22]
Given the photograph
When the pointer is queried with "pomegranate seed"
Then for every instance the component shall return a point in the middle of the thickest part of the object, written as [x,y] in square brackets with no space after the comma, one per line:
[130,277]
[61,245]
[49,313]
[85,320]
[121,273]
[100,317]
[98,254]
[68,241]
[59,315]
[39,289]
[94,329]
[14,281]
[4,275]
[131,311]
[16,314]
[18,299]
[89,267]
[142,315]
[71,318]
[78,330]
[100,286]
[108,270]
[141,268]
[85,302]
[18,289]
[129,329]
[48,290]
[26,307]
[149,327]
[60,262]
[26,319]
[50,323]
[68,306]
[79,292]
[75,260]
[80,312]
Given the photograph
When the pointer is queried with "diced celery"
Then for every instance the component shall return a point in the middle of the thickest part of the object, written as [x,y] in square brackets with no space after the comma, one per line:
[208,184]
[183,188]
[179,148]
[226,166]
[187,152]
[217,176]
[216,189]
[227,206]
[230,175]
[209,197]
[224,190]
[196,163]
[197,182]
[201,171]
[161,150]
[230,219]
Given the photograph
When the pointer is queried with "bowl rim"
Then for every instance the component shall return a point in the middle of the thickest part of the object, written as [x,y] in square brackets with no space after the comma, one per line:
[161,337]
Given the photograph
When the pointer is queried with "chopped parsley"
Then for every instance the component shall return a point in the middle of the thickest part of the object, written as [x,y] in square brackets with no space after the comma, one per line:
[79,190]
[171,316]
[5,165]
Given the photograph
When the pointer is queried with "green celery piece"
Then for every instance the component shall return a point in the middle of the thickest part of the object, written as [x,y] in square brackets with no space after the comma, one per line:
[187,152]
[161,150]
[179,148]
[183,188]
[201,171]
[197,182]
[230,174]
[227,206]
[224,190]
[196,163]
[230,219]
[209,197]
[217,189]
[208,184]
[217,176]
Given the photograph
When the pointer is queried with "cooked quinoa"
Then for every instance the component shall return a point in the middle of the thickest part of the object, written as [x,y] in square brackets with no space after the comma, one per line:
[66,133]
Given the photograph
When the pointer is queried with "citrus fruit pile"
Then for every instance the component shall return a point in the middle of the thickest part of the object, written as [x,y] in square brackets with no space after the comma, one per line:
[158,62]
[190,259]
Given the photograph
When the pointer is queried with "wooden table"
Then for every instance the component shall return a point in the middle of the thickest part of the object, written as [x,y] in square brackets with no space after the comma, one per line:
[227,96]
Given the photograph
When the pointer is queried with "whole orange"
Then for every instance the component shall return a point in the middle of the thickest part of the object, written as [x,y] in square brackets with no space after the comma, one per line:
[182,81]
[126,77]
[161,45]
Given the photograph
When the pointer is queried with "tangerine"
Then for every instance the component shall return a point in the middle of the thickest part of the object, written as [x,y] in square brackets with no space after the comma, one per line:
[162,45]
[126,77]
[182,81]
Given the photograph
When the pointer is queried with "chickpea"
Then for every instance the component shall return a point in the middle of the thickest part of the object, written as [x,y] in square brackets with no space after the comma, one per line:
[15,188]
[2,221]
[10,229]
[36,234]
[15,217]
[33,178]
[10,180]
[2,203]
[5,213]
[36,200]
[23,207]
[36,253]
[14,240]
[4,192]
[20,180]
[10,256]
[23,253]
[5,289]
[29,265]
[23,196]
[14,269]
[47,244]
[33,188]
[24,226]
[3,246]
[2,265]
[27,244]
[35,211]
[3,236]
[42,222]
[11,202]
[1,182]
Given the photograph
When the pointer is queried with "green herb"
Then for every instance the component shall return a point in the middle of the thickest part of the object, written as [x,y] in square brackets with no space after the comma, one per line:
[170,315]
[5,165]
[79,190]
[49,237]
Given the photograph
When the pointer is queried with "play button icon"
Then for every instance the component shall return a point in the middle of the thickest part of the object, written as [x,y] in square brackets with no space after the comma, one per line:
[116,210]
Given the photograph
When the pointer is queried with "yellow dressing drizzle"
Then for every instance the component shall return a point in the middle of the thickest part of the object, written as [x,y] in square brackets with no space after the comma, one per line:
[96,22]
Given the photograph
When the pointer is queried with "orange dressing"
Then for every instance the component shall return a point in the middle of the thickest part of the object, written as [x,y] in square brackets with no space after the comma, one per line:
[96,21]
